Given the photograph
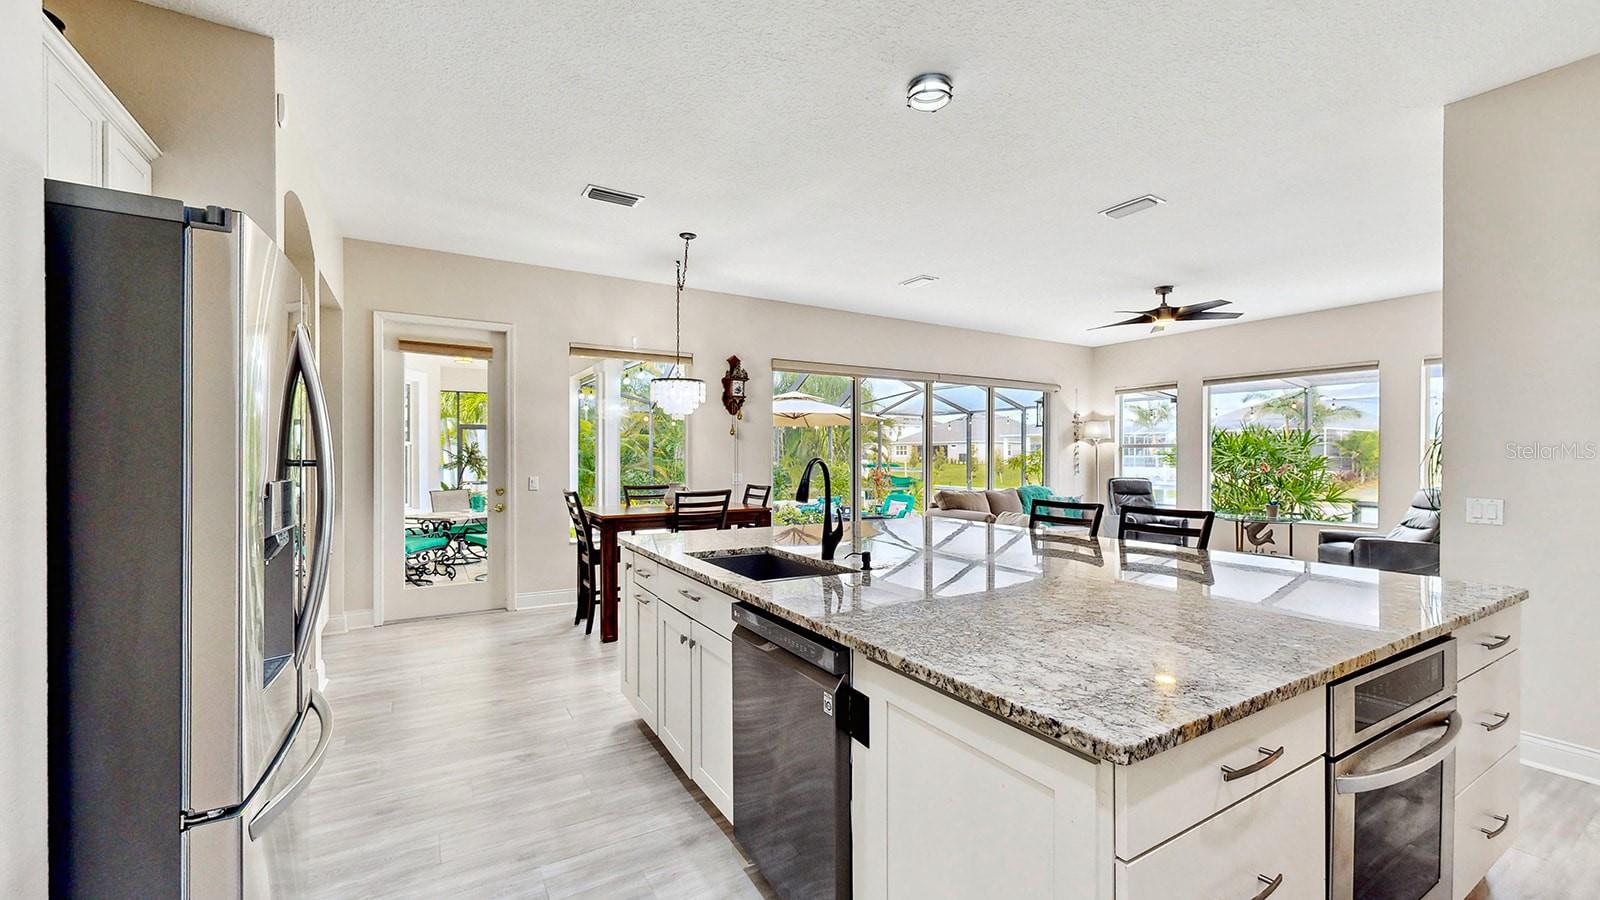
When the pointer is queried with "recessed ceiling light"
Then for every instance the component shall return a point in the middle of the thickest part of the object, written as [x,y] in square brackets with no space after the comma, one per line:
[609,195]
[919,281]
[929,92]
[1128,208]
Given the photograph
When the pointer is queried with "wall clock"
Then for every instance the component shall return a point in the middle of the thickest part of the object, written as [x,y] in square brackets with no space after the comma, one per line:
[733,388]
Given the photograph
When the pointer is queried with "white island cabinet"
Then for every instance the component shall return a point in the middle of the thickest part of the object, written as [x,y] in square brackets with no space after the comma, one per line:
[677,670]
[1022,767]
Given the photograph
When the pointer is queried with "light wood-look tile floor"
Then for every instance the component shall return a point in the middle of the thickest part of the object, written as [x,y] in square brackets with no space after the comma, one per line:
[494,756]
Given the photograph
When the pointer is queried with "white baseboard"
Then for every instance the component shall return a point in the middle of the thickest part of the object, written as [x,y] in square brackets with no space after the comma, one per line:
[1561,757]
[567,597]
[350,621]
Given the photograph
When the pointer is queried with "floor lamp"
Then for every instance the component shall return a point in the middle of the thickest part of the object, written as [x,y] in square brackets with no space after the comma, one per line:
[1096,432]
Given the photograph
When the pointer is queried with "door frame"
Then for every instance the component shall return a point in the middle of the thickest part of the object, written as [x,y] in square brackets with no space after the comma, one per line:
[382,322]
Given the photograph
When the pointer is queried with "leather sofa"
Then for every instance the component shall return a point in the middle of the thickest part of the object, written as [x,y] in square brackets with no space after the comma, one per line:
[1411,547]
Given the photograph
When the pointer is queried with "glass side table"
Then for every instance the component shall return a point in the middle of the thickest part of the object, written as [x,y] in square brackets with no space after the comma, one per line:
[1252,532]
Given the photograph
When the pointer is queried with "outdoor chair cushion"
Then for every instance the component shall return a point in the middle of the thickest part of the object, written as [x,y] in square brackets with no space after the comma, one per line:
[420,543]
[477,540]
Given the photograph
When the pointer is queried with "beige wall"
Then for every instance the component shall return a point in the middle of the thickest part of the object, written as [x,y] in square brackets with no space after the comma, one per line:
[1521,270]
[552,308]
[1397,334]
[22,599]
[204,92]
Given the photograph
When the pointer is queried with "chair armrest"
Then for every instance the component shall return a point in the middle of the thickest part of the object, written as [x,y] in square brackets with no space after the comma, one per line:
[1329,536]
[1414,557]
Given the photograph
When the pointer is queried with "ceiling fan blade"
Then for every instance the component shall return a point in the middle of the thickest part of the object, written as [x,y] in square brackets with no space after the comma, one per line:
[1203,316]
[1202,307]
[1140,319]
[1136,312]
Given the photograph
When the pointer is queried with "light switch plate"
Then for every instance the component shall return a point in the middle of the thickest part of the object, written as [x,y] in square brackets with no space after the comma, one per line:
[1486,511]
[533,482]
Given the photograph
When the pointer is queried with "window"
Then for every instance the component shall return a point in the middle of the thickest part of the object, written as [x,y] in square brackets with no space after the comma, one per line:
[1432,423]
[463,439]
[1018,437]
[1147,423]
[1307,442]
[913,434]
[618,436]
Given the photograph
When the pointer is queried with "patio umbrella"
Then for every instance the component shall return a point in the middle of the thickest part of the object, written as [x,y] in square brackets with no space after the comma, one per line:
[800,410]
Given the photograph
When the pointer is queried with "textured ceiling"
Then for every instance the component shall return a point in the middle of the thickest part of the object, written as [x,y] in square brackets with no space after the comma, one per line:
[1298,143]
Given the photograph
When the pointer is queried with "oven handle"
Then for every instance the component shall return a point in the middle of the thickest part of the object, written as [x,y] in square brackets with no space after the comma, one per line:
[1411,766]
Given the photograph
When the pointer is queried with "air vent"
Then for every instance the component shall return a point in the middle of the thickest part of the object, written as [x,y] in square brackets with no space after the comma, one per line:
[1136,205]
[919,281]
[607,195]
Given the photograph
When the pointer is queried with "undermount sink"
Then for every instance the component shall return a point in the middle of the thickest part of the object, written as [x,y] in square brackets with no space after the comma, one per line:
[764,565]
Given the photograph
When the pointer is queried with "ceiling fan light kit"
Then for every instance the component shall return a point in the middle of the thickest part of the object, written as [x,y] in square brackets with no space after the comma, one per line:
[1162,315]
[679,396]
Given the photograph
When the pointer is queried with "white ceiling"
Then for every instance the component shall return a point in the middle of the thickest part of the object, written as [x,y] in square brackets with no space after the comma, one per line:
[1298,143]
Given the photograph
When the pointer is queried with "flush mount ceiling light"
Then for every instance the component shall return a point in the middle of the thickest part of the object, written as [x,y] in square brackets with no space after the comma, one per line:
[679,396]
[1129,207]
[929,92]
[919,281]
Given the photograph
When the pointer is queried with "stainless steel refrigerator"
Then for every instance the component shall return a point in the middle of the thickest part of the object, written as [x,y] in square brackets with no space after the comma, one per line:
[189,514]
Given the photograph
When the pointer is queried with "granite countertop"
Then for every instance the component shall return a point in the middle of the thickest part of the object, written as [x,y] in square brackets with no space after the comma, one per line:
[1115,650]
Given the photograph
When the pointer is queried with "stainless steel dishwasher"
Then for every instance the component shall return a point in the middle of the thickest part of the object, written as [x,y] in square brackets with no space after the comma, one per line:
[794,714]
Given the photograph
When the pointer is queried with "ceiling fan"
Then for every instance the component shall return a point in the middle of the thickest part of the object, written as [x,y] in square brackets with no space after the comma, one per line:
[1161,315]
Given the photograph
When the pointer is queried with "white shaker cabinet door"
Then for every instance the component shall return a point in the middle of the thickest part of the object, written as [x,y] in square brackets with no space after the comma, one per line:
[126,167]
[675,714]
[74,128]
[713,716]
[645,647]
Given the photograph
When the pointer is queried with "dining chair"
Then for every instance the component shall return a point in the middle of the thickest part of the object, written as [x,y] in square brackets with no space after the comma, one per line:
[1166,525]
[644,493]
[588,562]
[456,500]
[700,510]
[1056,512]
[756,495]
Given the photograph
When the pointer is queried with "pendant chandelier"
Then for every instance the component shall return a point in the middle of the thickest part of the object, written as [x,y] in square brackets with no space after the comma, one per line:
[677,395]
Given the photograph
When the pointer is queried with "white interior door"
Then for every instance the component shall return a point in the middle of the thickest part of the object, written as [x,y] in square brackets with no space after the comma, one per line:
[444,469]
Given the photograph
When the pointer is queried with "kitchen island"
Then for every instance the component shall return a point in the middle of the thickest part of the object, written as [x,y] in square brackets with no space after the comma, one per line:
[1055,716]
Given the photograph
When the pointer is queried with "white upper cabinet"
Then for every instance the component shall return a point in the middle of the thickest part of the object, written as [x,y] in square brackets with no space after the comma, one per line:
[90,137]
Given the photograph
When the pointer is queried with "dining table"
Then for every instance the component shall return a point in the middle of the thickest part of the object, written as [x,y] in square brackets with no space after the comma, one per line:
[612,519]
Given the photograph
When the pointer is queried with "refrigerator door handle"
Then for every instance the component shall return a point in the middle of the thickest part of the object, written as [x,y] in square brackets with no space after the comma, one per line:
[281,800]
[291,791]
[303,365]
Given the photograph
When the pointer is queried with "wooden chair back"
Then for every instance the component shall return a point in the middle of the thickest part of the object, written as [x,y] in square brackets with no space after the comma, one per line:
[1055,512]
[757,494]
[644,493]
[1166,525]
[700,510]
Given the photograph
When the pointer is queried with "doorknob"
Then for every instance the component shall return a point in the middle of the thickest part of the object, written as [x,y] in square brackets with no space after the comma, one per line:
[499,507]
[499,492]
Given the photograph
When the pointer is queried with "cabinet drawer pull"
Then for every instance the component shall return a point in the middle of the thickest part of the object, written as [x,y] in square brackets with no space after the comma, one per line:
[685,592]
[644,574]
[1496,726]
[1500,640]
[1272,885]
[1268,757]
[1492,833]
[643,600]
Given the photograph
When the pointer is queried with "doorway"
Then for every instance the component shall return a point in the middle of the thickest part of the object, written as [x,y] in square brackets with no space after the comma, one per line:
[445,526]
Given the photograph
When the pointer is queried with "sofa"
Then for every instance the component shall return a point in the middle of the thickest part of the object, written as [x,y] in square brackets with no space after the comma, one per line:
[1005,507]
[1411,547]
